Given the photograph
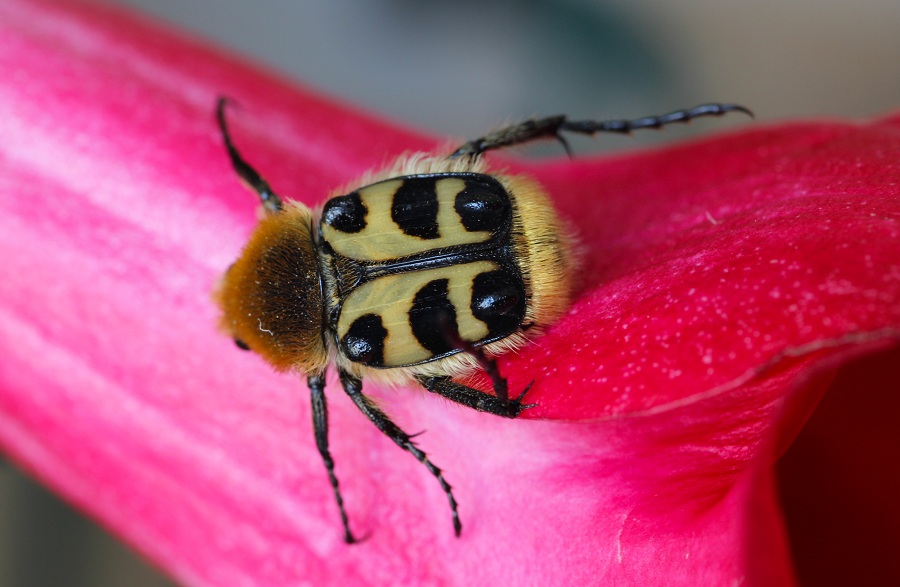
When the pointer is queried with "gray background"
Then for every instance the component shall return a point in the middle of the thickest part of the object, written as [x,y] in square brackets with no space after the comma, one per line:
[461,67]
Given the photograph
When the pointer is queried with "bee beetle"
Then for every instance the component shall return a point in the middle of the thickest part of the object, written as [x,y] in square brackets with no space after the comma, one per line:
[422,274]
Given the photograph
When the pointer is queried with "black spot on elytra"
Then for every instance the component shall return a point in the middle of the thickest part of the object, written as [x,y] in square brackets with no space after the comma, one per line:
[345,213]
[483,205]
[415,207]
[498,300]
[364,341]
[431,315]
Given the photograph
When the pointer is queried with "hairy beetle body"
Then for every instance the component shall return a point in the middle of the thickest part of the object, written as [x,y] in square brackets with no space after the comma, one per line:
[419,274]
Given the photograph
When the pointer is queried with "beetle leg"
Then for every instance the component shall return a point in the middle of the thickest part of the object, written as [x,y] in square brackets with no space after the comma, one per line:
[353,387]
[251,178]
[453,338]
[316,385]
[552,126]
[474,398]
[499,403]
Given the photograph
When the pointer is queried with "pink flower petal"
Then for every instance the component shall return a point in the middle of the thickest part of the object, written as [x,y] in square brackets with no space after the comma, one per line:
[725,281]
[711,261]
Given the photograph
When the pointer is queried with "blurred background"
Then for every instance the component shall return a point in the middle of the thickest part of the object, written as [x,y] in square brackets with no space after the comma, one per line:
[459,68]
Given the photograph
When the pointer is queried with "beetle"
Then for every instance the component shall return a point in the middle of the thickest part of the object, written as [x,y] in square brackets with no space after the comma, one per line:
[423,274]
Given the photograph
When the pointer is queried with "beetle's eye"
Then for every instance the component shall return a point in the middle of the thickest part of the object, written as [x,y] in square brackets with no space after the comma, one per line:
[241,344]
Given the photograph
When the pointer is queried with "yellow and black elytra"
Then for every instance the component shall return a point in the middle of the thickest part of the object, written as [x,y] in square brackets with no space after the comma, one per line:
[423,274]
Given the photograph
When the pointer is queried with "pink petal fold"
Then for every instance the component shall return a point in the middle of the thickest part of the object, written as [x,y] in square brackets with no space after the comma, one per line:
[725,283]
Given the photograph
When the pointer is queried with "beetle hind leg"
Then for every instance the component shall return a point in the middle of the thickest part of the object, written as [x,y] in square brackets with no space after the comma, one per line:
[552,127]
[475,398]
[625,126]
[498,404]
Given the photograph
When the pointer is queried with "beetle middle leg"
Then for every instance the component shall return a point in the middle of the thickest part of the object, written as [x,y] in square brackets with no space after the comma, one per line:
[353,387]
[551,127]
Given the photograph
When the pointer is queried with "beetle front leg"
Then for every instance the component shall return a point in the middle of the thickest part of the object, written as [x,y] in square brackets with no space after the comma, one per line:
[249,176]
[316,385]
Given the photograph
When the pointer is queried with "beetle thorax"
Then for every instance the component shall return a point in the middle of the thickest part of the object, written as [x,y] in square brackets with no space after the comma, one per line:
[272,298]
